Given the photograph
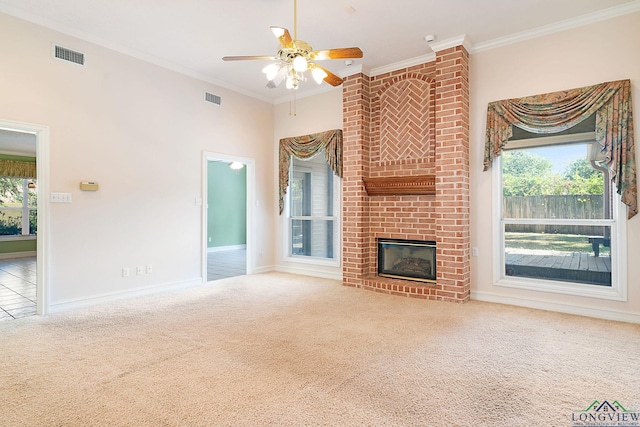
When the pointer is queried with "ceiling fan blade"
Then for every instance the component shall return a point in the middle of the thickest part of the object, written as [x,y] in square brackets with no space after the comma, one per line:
[341,53]
[283,36]
[245,58]
[331,78]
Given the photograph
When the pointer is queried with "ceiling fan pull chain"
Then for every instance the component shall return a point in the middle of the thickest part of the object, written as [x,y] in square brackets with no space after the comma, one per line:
[292,106]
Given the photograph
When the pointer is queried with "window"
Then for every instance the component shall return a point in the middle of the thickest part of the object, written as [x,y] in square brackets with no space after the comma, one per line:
[313,206]
[558,227]
[18,206]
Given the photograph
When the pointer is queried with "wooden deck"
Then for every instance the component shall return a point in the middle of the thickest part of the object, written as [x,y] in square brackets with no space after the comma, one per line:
[574,267]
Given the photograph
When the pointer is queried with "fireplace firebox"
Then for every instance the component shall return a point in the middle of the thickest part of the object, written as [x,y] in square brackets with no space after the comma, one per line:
[407,259]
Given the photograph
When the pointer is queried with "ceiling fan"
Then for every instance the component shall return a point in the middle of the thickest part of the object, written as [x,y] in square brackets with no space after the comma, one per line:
[295,57]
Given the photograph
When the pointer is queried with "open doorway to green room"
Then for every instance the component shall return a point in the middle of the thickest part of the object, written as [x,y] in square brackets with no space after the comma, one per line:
[23,207]
[227,215]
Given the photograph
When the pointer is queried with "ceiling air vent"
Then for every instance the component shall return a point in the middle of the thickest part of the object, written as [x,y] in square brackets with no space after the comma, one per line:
[68,55]
[214,99]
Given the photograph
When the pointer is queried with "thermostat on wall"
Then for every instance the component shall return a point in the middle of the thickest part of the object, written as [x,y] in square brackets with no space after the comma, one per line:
[89,186]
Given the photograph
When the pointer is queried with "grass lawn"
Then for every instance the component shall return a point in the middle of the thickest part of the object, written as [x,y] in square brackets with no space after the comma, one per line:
[551,242]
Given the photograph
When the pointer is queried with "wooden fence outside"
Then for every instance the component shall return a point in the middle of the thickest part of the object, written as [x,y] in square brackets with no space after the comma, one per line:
[555,207]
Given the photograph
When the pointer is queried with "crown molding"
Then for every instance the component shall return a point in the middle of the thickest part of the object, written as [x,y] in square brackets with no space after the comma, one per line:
[352,70]
[612,12]
[461,40]
[418,60]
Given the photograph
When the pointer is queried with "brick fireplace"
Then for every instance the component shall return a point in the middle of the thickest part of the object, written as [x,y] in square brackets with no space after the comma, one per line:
[406,136]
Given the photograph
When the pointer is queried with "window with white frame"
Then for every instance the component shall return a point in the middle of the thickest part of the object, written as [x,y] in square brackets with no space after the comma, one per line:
[560,228]
[18,206]
[313,210]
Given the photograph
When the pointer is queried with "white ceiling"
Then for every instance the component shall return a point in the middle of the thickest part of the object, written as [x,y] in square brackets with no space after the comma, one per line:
[192,36]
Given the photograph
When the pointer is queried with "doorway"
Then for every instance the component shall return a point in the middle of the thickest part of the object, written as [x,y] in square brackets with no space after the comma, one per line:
[23,219]
[227,215]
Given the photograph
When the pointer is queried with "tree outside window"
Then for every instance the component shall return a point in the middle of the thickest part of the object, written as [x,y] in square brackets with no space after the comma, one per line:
[18,206]
[556,215]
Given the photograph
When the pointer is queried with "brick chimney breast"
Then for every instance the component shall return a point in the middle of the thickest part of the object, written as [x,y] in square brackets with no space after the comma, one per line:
[409,123]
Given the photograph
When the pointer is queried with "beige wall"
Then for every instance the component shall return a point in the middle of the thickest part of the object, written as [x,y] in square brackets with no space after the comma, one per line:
[583,56]
[313,114]
[139,130]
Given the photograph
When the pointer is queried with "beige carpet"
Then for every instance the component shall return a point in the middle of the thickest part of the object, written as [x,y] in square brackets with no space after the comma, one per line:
[278,349]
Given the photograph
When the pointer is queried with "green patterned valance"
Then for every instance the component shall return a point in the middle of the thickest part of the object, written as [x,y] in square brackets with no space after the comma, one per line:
[557,111]
[305,147]
[18,168]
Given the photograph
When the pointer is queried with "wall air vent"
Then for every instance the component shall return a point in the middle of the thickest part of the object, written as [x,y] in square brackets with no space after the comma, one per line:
[68,55]
[214,99]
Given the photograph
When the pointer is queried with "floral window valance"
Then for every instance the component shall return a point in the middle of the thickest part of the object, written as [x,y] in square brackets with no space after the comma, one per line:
[305,147]
[557,111]
[18,168]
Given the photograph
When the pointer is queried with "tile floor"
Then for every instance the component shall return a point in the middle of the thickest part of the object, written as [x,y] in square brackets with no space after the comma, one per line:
[17,288]
[18,280]
[223,264]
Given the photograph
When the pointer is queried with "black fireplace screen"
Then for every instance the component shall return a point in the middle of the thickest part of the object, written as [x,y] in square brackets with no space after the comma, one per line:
[407,259]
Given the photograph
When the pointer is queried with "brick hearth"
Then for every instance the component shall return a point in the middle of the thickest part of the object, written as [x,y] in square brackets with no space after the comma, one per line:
[411,122]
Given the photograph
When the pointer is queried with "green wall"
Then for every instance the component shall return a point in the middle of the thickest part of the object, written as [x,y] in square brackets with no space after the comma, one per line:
[227,198]
[17,246]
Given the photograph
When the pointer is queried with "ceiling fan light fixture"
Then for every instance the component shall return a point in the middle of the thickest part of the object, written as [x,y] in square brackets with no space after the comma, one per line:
[300,63]
[318,74]
[271,71]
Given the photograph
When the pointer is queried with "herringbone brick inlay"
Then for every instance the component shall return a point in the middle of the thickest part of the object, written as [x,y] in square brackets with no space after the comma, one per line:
[404,121]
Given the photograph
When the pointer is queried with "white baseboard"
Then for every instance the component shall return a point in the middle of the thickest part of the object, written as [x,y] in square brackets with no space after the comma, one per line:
[71,304]
[226,248]
[308,272]
[10,255]
[263,269]
[561,308]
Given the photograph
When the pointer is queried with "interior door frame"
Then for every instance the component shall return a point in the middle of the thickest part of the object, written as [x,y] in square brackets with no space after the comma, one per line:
[250,164]
[42,169]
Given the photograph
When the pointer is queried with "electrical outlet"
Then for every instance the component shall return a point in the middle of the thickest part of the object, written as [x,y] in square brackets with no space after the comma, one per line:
[125,272]
[209,239]
[474,251]
[139,270]
[60,198]
[149,269]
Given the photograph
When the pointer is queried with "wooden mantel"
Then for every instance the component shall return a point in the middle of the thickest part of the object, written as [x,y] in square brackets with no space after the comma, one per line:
[401,185]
